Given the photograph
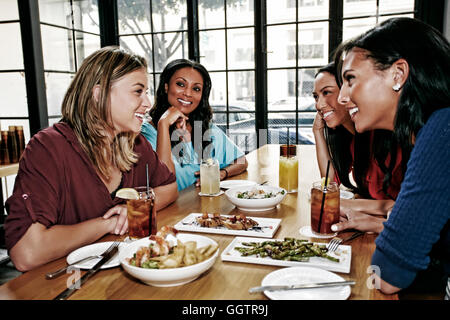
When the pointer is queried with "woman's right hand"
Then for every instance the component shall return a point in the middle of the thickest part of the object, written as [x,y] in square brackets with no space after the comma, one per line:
[318,123]
[173,115]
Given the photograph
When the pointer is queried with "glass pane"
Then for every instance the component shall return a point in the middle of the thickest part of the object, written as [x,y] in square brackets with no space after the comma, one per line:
[169,15]
[241,87]
[383,18]
[211,14]
[354,8]
[280,88]
[11,56]
[313,9]
[13,95]
[284,127]
[218,95]
[56,85]
[281,46]
[141,45]
[240,13]
[85,15]
[134,16]
[86,44]
[212,49]
[241,49]
[56,12]
[168,47]
[281,11]
[52,121]
[313,44]
[8,10]
[305,89]
[57,48]
[355,27]
[394,6]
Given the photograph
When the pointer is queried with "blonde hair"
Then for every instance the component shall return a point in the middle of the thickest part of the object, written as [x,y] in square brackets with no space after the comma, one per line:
[90,118]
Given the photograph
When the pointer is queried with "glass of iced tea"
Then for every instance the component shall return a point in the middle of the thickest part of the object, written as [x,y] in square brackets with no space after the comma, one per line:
[209,177]
[288,168]
[330,215]
[141,214]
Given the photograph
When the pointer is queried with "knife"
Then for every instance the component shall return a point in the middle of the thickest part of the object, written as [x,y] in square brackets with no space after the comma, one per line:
[111,252]
[301,286]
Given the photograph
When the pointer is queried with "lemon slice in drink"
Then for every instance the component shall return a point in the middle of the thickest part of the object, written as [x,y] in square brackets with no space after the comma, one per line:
[323,182]
[127,193]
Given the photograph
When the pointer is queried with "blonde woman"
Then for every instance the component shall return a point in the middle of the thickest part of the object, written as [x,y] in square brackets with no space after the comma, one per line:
[64,194]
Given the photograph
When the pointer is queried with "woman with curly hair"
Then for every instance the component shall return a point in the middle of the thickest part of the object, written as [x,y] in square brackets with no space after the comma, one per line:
[181,130]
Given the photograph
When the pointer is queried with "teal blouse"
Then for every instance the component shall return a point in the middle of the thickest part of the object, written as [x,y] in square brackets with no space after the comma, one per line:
[187,161]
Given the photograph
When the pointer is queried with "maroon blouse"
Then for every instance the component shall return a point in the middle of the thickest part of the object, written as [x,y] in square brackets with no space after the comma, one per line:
[58,185]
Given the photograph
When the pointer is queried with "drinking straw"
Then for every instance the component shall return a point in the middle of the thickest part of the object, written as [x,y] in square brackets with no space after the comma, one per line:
[288,148]
[324,192]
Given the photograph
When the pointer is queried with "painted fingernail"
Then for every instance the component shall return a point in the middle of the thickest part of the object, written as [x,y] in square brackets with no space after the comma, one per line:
[334,227]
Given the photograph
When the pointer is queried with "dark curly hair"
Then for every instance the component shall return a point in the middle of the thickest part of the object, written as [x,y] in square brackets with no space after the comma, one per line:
[202,113]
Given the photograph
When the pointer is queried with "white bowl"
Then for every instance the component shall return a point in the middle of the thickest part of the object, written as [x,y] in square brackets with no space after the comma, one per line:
[167,277]
[255,204]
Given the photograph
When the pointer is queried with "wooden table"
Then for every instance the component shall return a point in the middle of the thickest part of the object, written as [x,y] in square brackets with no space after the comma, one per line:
[225,280]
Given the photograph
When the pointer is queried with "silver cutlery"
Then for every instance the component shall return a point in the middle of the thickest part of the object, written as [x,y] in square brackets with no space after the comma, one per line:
[336,241]
[301,286]
[107,255]
[53,275]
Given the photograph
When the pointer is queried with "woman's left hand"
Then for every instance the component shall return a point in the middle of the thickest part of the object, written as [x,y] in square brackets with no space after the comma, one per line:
[119,214]
[351,219]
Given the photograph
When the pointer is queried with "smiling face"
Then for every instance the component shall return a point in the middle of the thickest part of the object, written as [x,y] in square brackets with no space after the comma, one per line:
[129,101]
[368,93]
[185,89]
[326,92]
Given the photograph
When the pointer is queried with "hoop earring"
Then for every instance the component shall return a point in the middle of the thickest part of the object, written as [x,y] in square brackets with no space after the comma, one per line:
[396,87]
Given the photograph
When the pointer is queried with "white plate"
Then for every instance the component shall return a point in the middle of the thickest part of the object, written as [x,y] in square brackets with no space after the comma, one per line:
[210,195]
[344,253]
[90,250]
[307,232]
[227,184]
[300,275]
[189,224]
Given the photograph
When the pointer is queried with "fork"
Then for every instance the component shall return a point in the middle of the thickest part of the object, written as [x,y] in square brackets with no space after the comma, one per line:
[336,241]
[53,275]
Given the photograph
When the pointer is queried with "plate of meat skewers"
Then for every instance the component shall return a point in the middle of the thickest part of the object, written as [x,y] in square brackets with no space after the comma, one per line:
[238,225]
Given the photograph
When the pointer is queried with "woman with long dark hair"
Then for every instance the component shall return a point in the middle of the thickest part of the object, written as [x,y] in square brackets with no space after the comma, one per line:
[366,156]
[396,77]
[181,130]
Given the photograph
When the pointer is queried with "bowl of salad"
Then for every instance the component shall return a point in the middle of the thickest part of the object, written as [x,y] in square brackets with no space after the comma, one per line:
[256,198]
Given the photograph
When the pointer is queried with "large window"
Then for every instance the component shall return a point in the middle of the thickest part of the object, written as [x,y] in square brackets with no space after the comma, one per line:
[13,98]
[227,37]
[70,32]
[156,30]
[292,38]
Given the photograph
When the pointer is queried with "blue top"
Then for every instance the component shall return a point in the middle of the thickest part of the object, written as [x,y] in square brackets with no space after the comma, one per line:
[419,221]
[222,149]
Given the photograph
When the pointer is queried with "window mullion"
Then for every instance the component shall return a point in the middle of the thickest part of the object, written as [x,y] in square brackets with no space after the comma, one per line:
[260,70]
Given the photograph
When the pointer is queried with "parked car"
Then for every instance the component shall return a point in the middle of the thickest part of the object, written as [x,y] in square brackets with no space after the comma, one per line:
[242,131]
